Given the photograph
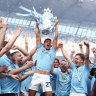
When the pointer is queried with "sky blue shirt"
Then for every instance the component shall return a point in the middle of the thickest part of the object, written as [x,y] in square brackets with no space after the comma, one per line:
[94,65]
[9,85]
[88,87]
[79,78]
[45,58]
[53,81]
[93,78]
[26,83]
[92,82]
[63,83]
[0,85]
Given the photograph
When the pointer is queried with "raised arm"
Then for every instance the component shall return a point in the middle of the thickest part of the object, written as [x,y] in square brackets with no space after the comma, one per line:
[55,41]
[26,44]
[32,52]
[38,38]
[87,53]
[66,56]
[94,53]
[26,75]
[71,54]
[9,44]
[3,25]
[21,69]
[81,49]
[52,71]
[25,53]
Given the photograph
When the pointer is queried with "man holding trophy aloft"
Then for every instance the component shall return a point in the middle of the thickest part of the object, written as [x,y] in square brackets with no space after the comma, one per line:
[45,58]
[46,24]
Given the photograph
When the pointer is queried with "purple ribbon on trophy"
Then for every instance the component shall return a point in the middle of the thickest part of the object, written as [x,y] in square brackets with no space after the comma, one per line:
[46,20]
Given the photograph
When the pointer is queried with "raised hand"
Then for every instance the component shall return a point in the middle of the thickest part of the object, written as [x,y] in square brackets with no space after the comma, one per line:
[86,43]
[14,47]
[93,49]
[60,45]
[19,30]
[29,64]
[80,45]
[26,40]
[56,21]
[3,24]
[72,52]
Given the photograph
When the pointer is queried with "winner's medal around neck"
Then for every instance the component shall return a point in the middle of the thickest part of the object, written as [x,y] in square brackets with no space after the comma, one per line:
[63,76]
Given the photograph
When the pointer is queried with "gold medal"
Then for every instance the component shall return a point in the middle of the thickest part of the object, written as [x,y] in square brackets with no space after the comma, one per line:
[63,76]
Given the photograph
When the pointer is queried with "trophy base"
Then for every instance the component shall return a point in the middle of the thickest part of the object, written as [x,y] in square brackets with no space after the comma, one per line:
[45,32]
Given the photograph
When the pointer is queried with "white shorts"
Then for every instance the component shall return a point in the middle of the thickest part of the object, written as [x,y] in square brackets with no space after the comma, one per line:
[77,94]
[40,79]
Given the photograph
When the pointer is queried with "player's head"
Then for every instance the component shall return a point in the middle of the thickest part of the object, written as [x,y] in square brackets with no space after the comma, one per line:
[47,44]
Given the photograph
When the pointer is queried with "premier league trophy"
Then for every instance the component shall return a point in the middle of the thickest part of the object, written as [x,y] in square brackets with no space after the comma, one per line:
[46,20]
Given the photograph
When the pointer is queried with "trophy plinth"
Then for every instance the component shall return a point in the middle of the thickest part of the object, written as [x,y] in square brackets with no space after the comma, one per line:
[45,32]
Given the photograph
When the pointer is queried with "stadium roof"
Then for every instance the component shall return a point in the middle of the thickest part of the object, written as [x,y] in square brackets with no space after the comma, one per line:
[71,10]
[77,17]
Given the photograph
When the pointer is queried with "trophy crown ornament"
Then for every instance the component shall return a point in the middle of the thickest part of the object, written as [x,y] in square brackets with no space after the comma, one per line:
[47,10]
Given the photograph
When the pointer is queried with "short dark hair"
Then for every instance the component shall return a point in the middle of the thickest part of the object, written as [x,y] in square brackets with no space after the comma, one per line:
[47,39]
[12,54]
[4,43]
[57,60]
[81,55]
[63,60]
